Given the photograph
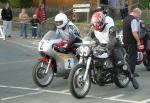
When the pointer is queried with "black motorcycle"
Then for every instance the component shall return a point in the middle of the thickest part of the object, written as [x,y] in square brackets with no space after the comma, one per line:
[98,67]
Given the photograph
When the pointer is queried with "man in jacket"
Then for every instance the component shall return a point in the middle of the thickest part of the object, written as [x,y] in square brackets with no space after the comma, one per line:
[7,20]
[131,29]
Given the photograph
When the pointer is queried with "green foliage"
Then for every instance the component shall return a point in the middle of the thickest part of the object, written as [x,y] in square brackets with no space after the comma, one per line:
[144,4]
[3,1]
[21,3]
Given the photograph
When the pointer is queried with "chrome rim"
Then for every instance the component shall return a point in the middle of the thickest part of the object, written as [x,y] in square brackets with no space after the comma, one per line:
[123,78]
[42,77]
[80,86]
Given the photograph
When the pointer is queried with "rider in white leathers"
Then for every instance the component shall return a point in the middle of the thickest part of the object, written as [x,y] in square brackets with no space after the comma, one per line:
[68,31]
[104,31]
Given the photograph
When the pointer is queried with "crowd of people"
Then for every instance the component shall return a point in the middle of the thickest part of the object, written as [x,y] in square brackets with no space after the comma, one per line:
[37,19]
[24,20]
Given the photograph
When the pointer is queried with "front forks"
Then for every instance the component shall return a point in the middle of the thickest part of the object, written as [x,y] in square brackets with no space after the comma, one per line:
[87,68]
[49,62]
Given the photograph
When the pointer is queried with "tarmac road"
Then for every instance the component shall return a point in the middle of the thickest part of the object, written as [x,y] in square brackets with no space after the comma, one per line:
[17,58]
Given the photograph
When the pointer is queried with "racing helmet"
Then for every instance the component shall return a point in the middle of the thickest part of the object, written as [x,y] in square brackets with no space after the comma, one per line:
[61,20]
[98,21]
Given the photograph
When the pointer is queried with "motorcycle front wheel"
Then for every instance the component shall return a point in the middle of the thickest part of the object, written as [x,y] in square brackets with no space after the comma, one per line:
[78,87]
[41,77]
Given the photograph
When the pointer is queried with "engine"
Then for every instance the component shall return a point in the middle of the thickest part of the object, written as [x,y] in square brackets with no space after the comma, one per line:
[103,63]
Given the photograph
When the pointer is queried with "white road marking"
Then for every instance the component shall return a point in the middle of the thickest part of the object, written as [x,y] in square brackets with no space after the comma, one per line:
[14,97]
[22,88]
[66,92]
[145,101]
[40,90]
[116,98]
[122,100]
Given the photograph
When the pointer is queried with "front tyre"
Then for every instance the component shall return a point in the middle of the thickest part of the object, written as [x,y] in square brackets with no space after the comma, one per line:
[40,76]
[78,87]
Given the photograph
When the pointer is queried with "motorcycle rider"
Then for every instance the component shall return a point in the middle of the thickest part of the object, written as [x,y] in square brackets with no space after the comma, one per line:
[104,31]
[68,31]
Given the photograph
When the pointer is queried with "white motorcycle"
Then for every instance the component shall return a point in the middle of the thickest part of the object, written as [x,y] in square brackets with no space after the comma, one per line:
[52,61]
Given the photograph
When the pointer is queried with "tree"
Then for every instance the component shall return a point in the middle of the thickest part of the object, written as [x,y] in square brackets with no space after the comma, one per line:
[3,1]
[144,4]
[20,3]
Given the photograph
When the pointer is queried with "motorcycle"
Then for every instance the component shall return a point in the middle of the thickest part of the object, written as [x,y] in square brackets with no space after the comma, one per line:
[52,63]
[98,67]
[144,49]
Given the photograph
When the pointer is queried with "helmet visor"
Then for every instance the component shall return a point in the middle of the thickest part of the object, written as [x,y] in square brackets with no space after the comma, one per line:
[58,23]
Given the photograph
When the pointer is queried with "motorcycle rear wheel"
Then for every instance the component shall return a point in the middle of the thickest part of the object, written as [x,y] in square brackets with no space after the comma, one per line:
[79,88]
[122,79]
[41,78]
[147,64]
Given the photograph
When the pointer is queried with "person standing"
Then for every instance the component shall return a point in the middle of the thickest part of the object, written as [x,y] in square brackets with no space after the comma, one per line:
[113,6]
[104,4]
[131,29]
[126,8]
[122,9]
[7,20]
[34,23]
[24,19]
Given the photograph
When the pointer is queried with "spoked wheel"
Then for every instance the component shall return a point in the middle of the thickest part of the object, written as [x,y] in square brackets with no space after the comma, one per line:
[78,87]
[122,79]
[41,76]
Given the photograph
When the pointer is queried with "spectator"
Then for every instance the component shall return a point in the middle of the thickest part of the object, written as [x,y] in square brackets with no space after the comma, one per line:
[41,16]
[113,6]
[104,4]
[122,9]
[126,8]
[34,23]
[7,20]
[40,12]
[24,18]
[131,37]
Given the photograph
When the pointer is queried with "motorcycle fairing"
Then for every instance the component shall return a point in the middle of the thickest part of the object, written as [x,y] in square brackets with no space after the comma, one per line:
[65,62]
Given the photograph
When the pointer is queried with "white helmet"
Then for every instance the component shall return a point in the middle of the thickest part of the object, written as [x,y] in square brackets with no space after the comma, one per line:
[61,20]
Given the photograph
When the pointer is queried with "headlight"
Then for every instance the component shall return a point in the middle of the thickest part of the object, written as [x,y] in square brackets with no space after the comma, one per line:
[83,50]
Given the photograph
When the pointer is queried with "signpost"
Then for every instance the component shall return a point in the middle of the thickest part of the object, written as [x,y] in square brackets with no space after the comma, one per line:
[81,8]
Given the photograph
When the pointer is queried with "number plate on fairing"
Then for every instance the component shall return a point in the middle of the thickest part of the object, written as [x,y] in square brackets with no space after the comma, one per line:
[68,59]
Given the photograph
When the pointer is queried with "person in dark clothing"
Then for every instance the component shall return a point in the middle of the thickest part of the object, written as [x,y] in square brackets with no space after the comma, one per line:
[104,4]
[131,37]
[34,23]
[126,8]
[7,20]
